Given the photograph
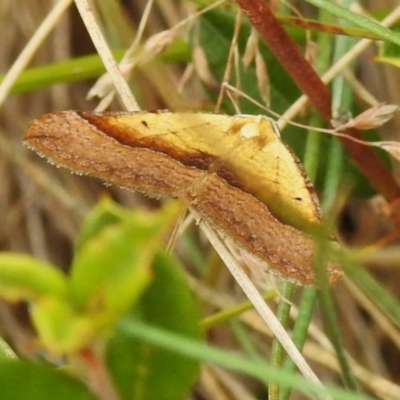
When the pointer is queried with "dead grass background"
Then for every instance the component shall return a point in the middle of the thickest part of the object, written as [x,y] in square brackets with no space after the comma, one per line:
[41,207]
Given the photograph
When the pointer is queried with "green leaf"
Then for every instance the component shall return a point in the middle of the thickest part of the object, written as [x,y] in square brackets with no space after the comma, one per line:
[60,328]
[83,68]
[113,267]
[253,367]
[389,53]
[6,352]
[74,70]
[143,371]
[215,36]
[23,277]
[374,290]
[357,19]
[105,213]
[30,381]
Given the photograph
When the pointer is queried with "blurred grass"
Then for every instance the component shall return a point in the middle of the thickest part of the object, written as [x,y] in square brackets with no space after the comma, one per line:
[34,220]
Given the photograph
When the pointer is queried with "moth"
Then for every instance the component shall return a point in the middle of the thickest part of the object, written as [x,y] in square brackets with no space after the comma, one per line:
[234,171]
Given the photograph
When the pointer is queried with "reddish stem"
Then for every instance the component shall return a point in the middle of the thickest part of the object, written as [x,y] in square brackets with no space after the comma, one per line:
[291,58]
[97,375]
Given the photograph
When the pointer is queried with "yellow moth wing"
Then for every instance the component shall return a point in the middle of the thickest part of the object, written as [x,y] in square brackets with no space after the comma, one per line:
[248,146]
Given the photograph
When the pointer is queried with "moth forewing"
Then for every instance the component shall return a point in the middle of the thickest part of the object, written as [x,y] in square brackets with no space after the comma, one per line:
[253,228]
[233,171]
[246,145]
[272,173]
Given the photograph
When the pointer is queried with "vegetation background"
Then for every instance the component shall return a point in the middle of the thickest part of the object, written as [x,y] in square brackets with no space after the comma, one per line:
[42,211]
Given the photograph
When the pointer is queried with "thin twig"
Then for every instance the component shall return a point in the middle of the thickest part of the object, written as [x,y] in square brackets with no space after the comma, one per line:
[30,49]
[94,30]
[260,305]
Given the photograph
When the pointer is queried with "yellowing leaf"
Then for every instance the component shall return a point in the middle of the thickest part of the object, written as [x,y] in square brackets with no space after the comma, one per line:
[23,277]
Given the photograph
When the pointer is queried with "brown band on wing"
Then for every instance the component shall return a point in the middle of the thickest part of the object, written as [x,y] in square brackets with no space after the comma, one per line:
[189,157]
[69,142]
[254,229]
